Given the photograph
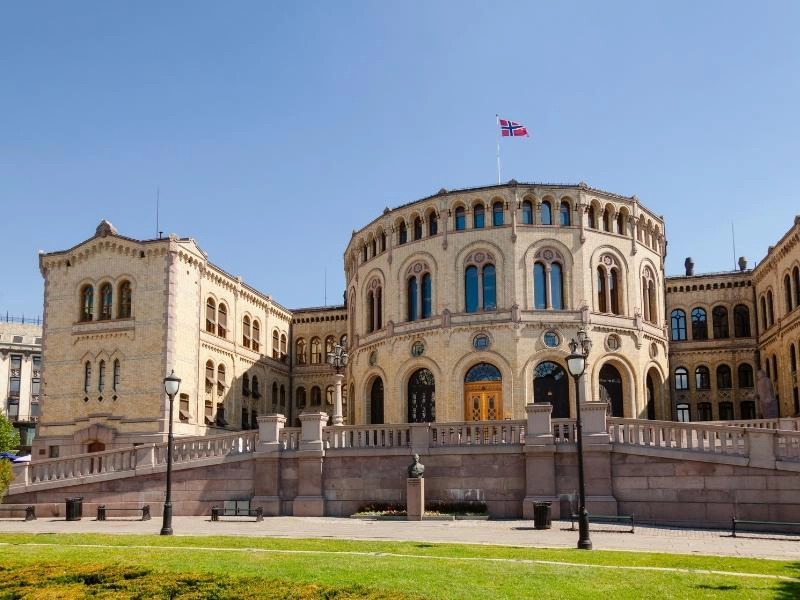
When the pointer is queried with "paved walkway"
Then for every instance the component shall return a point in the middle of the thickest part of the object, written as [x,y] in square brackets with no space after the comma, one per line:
[510,533]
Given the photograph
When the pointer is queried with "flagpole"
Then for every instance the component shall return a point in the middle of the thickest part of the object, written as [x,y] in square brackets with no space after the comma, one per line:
[497,117]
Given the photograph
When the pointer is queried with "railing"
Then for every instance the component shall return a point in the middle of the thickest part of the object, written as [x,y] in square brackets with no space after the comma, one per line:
[370,436]
[564,431]
[477,433]
[290,438]
[23,319]
[748,423]
[787,445]
[714,439]
[82,465]
[195,448]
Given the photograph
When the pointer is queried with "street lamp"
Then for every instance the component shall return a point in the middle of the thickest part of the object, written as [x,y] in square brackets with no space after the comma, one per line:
[338,360]
[171,386]
[576,363]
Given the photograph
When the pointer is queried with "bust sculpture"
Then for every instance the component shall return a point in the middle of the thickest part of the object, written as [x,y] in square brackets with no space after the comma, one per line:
[416,469]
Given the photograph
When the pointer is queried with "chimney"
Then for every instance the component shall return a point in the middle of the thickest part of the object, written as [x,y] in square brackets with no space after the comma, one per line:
[689,264]
[742,263]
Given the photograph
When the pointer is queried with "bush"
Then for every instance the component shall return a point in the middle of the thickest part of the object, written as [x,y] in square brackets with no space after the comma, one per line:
[457,508]
[6,476]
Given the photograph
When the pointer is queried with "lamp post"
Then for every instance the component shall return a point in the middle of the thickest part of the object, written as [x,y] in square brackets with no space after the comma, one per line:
[576,363]
[171,386]
[338,360]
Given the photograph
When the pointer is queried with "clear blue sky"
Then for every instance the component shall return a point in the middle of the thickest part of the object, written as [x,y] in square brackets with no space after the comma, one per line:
[275,129]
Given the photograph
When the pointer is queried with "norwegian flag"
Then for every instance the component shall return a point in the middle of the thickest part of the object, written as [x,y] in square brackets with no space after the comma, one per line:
[512,128]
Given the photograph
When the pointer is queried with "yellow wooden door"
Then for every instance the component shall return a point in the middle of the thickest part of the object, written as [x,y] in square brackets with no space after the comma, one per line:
[483,401]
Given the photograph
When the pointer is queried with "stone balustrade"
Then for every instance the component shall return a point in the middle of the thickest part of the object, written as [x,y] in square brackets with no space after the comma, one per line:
[698,437]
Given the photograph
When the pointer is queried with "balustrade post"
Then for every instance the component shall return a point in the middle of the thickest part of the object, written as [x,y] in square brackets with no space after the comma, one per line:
[22,473]
[540,450]
[786,424]
[539,430]
[761,447]
[420,437]
[593,415]
[269,432]
[309,501]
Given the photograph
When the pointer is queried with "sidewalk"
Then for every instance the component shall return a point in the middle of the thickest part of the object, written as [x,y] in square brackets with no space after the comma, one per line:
[510,533]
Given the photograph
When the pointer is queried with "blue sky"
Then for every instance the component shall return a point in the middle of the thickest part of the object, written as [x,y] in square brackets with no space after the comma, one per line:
[275,129]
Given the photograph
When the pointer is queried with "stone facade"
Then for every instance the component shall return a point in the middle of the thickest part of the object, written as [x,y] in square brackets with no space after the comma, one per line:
[20,376]
[120,314]
[501,278]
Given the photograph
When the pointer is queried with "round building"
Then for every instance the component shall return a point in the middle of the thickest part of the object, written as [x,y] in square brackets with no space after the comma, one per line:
[461,305]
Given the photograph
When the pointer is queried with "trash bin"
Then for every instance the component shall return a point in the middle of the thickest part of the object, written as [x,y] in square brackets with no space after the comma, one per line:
[541,515]
[74,509]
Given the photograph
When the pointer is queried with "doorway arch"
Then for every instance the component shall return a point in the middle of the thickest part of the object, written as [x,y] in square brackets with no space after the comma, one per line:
[376,402]
[550,384]
[611,389]
[422,397]
[483,393]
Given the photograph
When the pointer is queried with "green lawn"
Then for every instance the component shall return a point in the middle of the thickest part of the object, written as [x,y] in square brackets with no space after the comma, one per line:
[103,566]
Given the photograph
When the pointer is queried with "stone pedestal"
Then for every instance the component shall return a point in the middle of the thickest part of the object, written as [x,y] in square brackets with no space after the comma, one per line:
[415,498]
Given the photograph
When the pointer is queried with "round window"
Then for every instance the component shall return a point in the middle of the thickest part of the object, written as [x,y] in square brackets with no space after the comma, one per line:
[613,342]
[480,341]
[551,339]
[653,350]
[417,348]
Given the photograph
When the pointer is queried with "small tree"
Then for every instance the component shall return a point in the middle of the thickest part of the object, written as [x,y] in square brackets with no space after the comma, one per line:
[9,440]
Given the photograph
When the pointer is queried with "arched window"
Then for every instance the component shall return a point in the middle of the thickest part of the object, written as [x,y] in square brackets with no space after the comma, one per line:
[343,341]
[460,219]
[770,309]
[116,376]
[300,351]
[87,303]
[106,298]
[210,377]
[699,324]
[222,320]
[330,342]
[246,331]
[551,384]
[478,217]
[489,288]
[606,220]
[316,351]
[546,212]
[724,380]
[741,321]
[427,292]
[221,380]
[364,253]
[614,291]
[316,396]
[539,286]
[601,290]
[719,319]
[556,286]
[329,395]
[87,376]
[764,323]
[649,296]
[681,379]
[471,289]
[702,378]
[682,412]
[745,375]
[592,217]
[483,393]
[254,388]
[796,278]
[411,298]
[276,352]
[374,246]
[283,396]
[383,241]
[421,397]
[527,213]
[611,389]
[677,320]
[370,311]
[374,306]
[301,397]
[245,384]
[620,223]
[211,316]
[101,376]
[787,292]
[563,214]
[417,228]
[704,411]
[376,402]
[125,300]
[497,214]
[256,337]
[793,358]
[433,223]
[274,393]
[402,235]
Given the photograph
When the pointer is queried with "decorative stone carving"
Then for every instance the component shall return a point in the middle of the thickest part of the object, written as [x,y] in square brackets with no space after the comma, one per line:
[105,228]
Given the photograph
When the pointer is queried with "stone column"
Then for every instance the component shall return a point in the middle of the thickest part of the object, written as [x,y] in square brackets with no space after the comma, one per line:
[337,407]
[548,301]
[310,501]
[540,469]
[267,464]
[145,459]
